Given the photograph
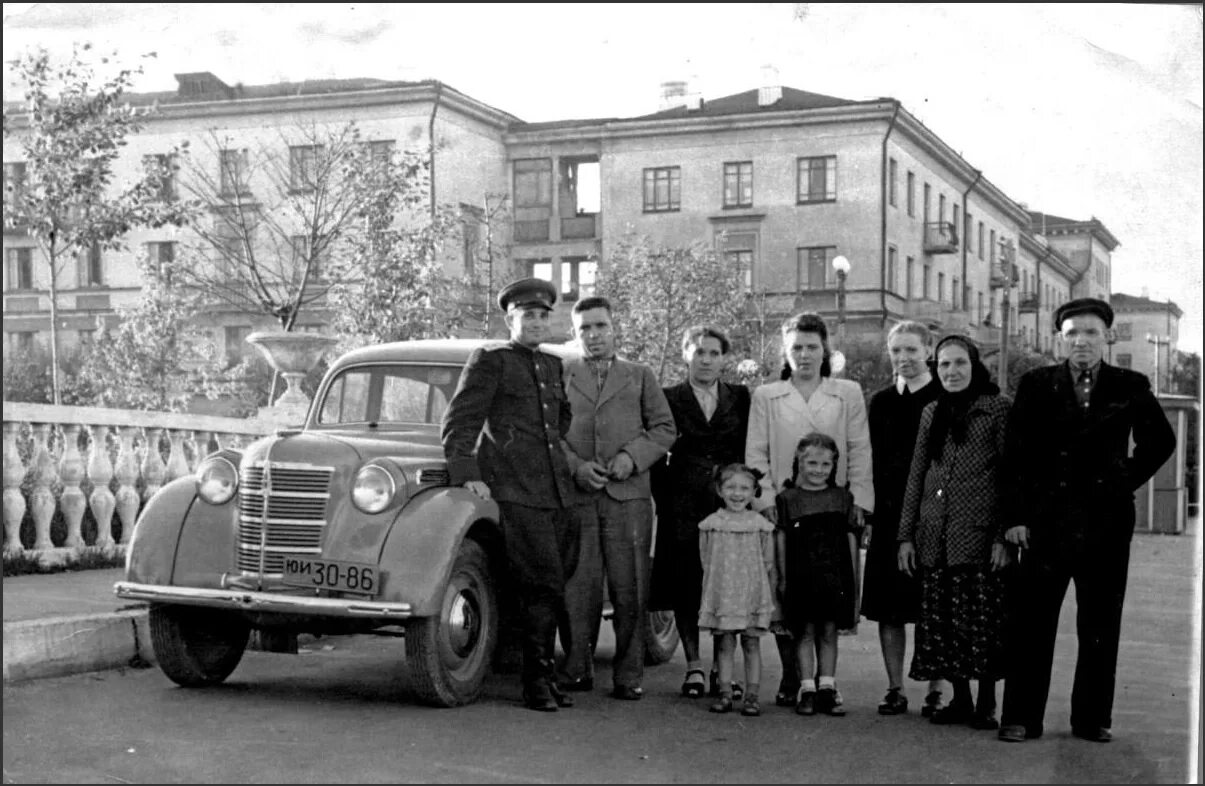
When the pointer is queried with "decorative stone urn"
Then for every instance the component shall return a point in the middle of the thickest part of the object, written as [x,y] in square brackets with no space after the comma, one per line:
[293,355]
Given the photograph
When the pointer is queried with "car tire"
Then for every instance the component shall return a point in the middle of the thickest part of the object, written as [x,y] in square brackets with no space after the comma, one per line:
[196,647]
[662,638]
[449,655]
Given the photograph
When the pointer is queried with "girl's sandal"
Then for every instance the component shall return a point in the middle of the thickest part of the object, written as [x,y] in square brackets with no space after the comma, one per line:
[738,692]
[695,684]
[723,705]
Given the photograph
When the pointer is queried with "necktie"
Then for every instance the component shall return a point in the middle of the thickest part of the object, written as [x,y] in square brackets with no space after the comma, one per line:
[708,403]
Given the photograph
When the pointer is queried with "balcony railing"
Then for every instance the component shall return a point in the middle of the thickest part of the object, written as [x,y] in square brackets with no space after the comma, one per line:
[579,227]
[531,231]
[63,462]
[941,237]
[1029,304]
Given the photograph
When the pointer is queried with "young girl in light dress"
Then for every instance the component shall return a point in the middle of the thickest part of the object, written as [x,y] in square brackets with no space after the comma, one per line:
[737,550]
[816,521]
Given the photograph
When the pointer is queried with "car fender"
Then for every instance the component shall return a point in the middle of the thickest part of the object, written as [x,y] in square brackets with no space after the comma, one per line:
[417,555]
[151,554]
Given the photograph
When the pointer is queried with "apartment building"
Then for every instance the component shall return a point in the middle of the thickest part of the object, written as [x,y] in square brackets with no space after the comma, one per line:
[1147,333]
[780,180]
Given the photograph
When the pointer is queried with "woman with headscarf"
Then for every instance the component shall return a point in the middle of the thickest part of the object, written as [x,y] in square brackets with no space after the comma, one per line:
[952,533]
[807,399]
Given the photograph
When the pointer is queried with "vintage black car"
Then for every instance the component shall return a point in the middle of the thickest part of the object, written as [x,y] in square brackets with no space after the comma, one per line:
[346,525]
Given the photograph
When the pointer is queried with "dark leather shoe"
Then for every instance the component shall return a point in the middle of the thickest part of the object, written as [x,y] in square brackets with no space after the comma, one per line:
[952,713]
[539,701]
[1015,732]
[626,693]
[580,684]
[894,703]
[561,698]
[1092,733]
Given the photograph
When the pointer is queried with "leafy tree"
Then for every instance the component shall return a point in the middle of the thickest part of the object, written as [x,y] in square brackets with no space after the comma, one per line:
[27,377]
[657,292]
[287,215]
[486,232]
[155,358]
[1186,374]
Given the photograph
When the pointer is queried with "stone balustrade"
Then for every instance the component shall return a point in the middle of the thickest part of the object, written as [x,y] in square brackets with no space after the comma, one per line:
[61,463]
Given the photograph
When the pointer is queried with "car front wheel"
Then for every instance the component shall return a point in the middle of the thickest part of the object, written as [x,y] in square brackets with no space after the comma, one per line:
[195,646]
[448,655]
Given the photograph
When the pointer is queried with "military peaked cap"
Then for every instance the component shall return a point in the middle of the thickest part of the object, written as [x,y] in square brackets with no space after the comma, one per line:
[527,292]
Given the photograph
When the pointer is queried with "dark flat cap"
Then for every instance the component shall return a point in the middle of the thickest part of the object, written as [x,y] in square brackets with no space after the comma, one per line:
[527,292]
[1083,305]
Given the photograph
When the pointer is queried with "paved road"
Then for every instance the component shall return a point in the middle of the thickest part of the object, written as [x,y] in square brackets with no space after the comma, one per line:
[343,714]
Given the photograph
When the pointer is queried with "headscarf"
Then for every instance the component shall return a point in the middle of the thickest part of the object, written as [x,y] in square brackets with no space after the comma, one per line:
[950,415]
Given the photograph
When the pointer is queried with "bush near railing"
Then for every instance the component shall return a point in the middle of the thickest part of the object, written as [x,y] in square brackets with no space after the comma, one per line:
[75,478]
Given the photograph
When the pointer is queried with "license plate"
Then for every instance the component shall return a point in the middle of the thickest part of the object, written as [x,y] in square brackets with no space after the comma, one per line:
[356,577]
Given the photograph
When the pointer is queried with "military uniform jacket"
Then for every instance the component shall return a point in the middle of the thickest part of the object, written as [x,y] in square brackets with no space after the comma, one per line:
[505,426]
[953,506]
[1076,466]
[629,414]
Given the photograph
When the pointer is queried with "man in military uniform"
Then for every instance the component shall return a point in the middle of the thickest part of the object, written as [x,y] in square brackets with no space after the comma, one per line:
[1067,444]
[512,398]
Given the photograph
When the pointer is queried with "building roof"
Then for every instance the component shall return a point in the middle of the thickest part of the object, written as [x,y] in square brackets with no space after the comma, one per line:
[1133,303]
[1049,224]
[746,102]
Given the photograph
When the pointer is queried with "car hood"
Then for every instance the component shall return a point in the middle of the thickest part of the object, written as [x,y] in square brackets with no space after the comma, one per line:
[344,448]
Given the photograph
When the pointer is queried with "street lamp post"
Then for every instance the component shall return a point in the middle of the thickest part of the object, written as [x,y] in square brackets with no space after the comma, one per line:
[841,265]
[1157,341]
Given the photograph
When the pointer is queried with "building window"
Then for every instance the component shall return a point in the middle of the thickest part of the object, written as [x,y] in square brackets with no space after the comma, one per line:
[85,337]
[892,264]
[968,226]
[232,234]
[533,182]
[380,152]
[304,255]
[232,175]
[538,268]
[235,342]
[892,173]
[663,189]
[815,267]
[926,281]
[738,184]
[740,252]
[991,248]
[941,286]
[304,162]
[911,194]
[909,271]
[941,207]
[577,278]
[15,173]
[24,340]
[954,292]
[20,268]
[162,167]
[954,219]
[980,240]
[1125,331]
[979,306]
[817,179]
[90,267]
[162,257]
[925,206]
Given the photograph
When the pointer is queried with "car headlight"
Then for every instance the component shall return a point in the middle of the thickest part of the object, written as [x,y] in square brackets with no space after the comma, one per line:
[217,480]
[373,490]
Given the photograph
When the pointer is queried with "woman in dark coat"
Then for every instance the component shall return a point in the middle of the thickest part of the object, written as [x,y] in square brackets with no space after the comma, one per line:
[889,596]
[712,418]
[952,533]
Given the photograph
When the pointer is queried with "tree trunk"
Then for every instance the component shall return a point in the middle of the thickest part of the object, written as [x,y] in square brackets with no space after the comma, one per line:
[55,382]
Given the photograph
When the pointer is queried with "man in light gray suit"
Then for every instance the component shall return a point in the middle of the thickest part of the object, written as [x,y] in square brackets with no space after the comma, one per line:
[621,426]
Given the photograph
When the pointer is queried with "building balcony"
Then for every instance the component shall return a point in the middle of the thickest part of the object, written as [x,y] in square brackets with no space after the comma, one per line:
[941,237]
[1029,304]
[531,231]
[1003,274]
[583,226]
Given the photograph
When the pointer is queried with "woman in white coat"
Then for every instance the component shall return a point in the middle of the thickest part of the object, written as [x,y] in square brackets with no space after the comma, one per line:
[807,399]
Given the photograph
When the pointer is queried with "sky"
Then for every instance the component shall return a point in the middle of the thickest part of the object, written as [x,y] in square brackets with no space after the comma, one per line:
[1079,110]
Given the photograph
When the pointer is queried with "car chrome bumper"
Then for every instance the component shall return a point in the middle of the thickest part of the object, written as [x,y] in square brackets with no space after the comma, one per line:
[246,600]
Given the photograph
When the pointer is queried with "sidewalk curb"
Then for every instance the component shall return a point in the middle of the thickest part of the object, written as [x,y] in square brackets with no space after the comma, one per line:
[59,646]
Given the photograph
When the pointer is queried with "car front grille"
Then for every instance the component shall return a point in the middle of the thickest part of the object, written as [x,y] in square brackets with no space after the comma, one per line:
[296,497]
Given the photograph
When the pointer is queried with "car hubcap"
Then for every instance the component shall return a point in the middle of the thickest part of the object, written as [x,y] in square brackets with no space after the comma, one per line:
[463,625]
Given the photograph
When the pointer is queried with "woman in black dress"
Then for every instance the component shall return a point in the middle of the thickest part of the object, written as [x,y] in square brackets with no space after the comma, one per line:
[889,596]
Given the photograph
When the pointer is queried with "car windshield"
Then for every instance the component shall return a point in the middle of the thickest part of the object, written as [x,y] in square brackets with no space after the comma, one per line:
[400,393]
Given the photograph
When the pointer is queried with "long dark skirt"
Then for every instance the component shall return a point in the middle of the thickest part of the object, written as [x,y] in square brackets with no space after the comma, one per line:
[960,634]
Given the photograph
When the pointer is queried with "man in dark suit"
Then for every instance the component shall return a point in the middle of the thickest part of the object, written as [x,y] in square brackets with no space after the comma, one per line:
[511,397]
[621,427]
[1067,446]
[712,418]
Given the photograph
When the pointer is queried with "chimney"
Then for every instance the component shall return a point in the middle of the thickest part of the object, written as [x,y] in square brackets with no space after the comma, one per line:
[771,90]
[1146,293]
[673,95]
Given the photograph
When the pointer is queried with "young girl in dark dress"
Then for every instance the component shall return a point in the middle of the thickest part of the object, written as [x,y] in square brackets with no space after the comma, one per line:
[816,522]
